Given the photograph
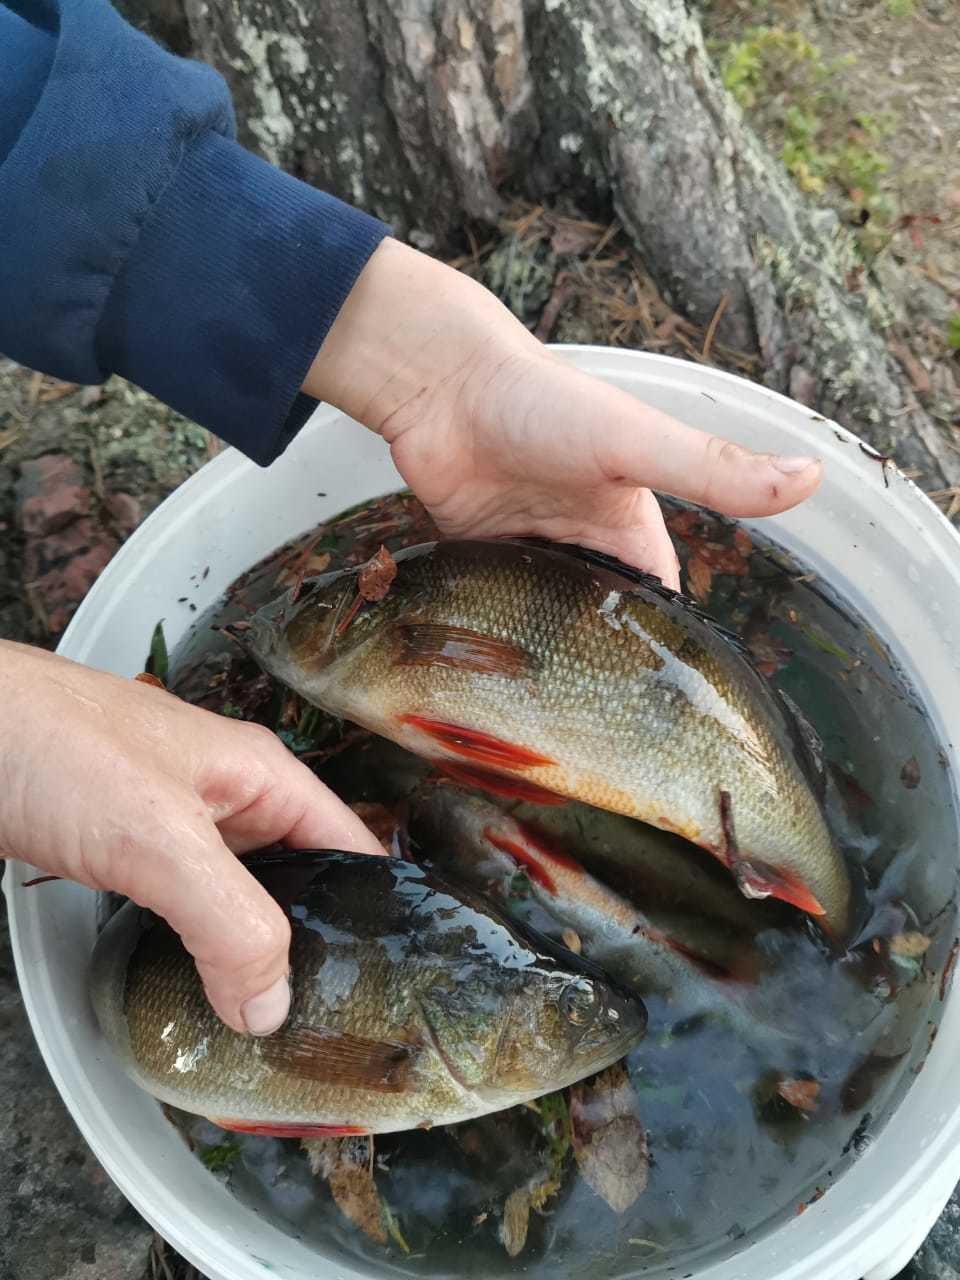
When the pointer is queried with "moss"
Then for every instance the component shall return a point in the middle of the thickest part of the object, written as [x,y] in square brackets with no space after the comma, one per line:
[830,149]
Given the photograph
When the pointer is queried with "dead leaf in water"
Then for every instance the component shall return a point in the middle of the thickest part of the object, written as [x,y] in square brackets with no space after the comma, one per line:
[743,542]
[345,1165]
[801,1094]
[381,821]
[608,1138]
[516,1221]
[377,575]
[699,578]
[909,944]
[910,774]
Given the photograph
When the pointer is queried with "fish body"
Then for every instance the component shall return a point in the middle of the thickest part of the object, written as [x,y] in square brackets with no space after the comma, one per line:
[687,966]
[659,872]
[473,841]
[551,672]
[413,1005]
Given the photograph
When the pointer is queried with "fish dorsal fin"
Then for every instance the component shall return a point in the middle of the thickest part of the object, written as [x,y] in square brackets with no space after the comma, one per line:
[331,1057]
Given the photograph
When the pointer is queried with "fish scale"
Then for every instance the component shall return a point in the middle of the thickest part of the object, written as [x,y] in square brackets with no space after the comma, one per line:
[547,666]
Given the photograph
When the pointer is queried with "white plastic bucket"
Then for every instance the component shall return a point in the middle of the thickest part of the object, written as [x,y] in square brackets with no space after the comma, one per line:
[883,546]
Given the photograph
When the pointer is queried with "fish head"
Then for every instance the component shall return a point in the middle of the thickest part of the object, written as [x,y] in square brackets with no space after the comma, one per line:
[532,1032]
[291,638]
[563,1027]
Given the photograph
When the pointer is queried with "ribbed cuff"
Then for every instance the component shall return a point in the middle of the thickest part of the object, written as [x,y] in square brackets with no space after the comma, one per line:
[236,277]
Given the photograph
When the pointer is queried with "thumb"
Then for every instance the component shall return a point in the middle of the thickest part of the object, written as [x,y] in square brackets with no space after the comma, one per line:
[236,933]
[642,446]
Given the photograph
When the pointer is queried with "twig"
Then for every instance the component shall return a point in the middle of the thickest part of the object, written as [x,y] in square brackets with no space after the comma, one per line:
[712,327]
[562,288]
[604,240]
[36,606]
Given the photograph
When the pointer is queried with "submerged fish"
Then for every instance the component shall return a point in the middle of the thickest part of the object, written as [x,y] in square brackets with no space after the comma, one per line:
[552,672]
[473,841]
[413,1004]
[689,966]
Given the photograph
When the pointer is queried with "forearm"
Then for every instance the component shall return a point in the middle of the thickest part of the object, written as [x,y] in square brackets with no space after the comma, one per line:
[410,329]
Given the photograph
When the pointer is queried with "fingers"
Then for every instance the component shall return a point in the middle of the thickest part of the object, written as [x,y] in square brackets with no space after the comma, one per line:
[258,793]
[640,445]
[179,867]
[643,541]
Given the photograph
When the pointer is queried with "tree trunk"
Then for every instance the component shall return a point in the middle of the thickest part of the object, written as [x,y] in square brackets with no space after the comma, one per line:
[426,111]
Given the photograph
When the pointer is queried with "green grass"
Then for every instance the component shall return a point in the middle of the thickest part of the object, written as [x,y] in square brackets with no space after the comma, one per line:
[796,96]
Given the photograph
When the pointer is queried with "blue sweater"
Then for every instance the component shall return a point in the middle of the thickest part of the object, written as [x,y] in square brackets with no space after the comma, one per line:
[137,237]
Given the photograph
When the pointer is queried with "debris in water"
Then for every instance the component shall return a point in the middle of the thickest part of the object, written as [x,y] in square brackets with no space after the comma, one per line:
[801,1094]
[699,578]
[910,774]
[609,1141]
[346,1166]
[516,1221]
[909,944]
[571,940]
[377,575]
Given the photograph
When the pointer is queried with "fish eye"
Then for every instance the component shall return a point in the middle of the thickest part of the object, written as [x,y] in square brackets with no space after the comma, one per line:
[578,1002]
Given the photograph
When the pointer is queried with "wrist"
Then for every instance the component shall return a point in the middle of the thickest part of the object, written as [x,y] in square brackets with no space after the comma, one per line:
[411,329]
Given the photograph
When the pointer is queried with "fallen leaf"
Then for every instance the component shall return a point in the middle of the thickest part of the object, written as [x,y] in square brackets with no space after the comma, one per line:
[682,523]
[147,677]
[377,575]
[609,1141]
[345,1165]
[743,542]
[721,559]
[379,819]
[801,1094]
[910,774]
[516,1221]
[699,578]
[571,940]
[909,944]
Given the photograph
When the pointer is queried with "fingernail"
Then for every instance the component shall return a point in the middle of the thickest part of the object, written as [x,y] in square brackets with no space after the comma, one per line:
[263,1014]
[792,466]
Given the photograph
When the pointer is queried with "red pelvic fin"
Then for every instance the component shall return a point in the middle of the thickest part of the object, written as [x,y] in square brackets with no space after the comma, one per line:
[481,748]
[497,784]
[268,1130]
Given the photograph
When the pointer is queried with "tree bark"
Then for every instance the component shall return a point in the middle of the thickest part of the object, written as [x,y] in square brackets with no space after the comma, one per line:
[426,111]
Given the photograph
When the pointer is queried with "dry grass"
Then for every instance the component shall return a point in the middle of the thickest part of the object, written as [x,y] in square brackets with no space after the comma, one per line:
[602,291]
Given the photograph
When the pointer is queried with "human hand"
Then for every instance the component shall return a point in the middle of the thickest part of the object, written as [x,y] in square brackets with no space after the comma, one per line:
[497,436]
[119,785]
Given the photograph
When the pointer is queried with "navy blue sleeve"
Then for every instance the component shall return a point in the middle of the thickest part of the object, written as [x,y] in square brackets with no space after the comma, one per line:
[137,237]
